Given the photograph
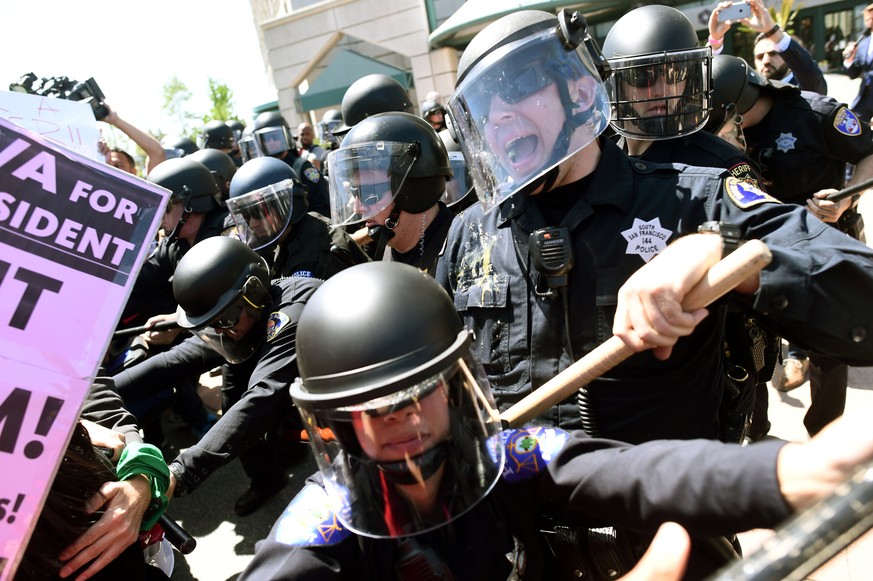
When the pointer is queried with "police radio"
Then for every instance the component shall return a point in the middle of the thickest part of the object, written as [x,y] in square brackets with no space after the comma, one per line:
[552,256]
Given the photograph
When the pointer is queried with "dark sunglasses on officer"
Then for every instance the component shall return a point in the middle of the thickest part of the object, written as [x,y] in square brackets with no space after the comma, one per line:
[644,77]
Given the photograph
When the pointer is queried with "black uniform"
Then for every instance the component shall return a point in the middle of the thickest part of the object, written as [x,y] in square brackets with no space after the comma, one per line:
[586,481]
[253,402]
[803,145]
[317,188]
[306,250]
[619,217]
[425,254]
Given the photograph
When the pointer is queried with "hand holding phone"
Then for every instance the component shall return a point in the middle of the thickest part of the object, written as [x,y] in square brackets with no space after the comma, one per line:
[734,12]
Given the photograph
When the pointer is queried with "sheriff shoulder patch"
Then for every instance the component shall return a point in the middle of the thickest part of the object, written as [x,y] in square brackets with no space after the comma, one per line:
[275,323]
[846,122]
[743,171]
[745,195]
[312,174]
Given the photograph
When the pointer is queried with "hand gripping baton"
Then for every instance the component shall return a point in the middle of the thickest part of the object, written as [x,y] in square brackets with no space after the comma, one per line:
[749,258]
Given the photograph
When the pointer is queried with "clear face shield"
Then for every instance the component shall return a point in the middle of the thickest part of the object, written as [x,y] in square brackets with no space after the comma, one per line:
[411,461]
[248,149]
[661,96]
[273,140]
[459,185]
[263,215]
[523,109]
[237,332]
[366,177]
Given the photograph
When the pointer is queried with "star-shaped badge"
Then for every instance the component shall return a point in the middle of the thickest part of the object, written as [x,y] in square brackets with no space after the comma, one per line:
[646,238]
[785,142]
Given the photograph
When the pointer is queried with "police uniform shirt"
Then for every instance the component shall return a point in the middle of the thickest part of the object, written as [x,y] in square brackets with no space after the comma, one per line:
[705,150]
[584,482]
[425,254]
[305,251]
[804,143]
[629,212]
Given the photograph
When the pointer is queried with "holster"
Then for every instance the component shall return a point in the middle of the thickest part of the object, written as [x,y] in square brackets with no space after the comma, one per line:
[852,223]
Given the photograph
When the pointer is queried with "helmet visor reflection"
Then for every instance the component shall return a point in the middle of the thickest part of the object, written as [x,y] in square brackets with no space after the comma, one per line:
[263,215]
[365,178]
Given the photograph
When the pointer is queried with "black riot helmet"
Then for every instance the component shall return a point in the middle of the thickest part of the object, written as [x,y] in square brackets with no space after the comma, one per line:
[272,133]
[389,156]
[190,182]
[222,167]
[660,86]
[517,64]
[403,355]
[217,135]
[372,94]
[266,197]
[178,146]
[217,283]
[736,87]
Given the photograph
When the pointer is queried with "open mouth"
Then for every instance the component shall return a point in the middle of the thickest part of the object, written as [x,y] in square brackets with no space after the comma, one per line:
[520,148]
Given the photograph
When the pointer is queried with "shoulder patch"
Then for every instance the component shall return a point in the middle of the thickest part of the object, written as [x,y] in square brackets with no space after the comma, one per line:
[275,322]
[312,174]
[309,521]
[743,172]
[530,450]
[745,195]
[846,122]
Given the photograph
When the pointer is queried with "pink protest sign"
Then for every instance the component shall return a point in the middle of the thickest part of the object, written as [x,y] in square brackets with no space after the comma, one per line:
[73,236]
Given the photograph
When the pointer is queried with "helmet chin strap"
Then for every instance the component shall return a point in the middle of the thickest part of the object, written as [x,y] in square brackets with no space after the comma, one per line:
[426,465]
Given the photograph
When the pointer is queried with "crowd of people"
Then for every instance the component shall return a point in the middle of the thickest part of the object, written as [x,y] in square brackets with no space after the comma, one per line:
[355,301]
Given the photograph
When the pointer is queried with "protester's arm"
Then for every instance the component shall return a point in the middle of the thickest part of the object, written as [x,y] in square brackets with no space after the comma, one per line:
[153,149]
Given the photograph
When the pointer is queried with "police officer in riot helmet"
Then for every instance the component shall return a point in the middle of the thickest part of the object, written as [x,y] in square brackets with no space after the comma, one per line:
[331,120]
[660,84]
[240,318]
[273,137]
[435,114]
[369,95]
[248,149]
[219,135]
[222,167]
[390,173]
[660,94]
[268,205]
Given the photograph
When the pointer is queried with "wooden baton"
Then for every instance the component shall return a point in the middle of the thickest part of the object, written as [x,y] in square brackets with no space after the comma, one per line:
[723,277]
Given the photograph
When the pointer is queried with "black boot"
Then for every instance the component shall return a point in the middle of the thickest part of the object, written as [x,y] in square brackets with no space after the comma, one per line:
[257,494]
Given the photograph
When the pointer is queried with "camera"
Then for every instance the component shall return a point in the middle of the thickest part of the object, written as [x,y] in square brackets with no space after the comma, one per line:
[734,12]
[64,88]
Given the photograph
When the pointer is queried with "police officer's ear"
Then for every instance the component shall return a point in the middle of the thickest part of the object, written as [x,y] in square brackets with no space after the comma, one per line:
[583,91]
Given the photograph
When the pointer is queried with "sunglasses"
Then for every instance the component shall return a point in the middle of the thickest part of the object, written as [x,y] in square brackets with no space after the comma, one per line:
[412,396]
[253,213]
[228,319]
[647,76]
[517,84]
[370,194]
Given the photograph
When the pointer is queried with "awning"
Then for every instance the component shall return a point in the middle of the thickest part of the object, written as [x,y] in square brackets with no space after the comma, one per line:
[345,68]
[474,15]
